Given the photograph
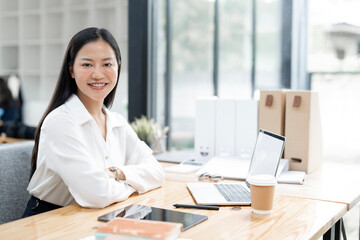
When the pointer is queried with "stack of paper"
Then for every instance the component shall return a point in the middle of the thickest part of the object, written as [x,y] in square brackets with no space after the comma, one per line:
[176,156]
[184,167]
[295,177]
[227,167]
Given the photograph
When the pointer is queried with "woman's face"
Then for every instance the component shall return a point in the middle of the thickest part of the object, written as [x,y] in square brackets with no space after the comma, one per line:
[95,71]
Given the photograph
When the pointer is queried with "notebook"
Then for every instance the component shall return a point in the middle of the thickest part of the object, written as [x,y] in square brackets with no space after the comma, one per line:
[265,160]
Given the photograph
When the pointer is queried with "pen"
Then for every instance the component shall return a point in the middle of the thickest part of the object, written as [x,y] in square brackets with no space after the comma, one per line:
[196,206]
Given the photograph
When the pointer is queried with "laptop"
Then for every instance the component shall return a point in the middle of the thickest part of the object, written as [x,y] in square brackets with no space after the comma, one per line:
[265,160]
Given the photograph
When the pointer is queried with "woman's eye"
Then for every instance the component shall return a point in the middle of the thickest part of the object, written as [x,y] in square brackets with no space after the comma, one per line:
[108,64]
[86,64]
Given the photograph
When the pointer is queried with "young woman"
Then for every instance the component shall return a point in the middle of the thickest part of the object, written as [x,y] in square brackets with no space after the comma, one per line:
[84,153]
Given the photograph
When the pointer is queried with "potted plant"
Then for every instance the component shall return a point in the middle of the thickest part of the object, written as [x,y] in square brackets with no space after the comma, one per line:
[151,133]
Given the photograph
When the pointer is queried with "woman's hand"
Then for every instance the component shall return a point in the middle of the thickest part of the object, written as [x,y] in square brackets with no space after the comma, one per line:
[110,173]
[120,175]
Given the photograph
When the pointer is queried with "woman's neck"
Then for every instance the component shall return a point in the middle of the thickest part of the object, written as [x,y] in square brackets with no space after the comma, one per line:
[95,108]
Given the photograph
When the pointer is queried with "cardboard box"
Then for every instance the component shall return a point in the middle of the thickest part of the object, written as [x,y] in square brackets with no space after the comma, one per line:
[303,133]
[272,111]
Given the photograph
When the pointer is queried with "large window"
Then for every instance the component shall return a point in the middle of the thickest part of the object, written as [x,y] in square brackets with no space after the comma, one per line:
[210,47]
[268,42]
[235,48]
[192,58]
[334,67]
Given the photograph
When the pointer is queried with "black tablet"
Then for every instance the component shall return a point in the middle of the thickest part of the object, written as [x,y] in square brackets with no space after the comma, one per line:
[136,211]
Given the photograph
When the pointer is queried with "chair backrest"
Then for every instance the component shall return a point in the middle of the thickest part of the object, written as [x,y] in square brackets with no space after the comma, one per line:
[15,161]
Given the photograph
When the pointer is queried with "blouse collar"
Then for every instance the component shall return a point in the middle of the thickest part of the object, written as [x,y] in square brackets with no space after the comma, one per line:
[82,116]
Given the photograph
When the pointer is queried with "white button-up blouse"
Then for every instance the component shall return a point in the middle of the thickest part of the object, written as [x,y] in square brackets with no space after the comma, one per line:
[72,156]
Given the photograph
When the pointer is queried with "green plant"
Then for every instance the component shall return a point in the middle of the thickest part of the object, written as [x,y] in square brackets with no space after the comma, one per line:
[144,129]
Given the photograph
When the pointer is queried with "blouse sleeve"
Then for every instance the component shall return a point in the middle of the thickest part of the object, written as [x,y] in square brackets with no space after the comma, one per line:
[142,171]
[67,156]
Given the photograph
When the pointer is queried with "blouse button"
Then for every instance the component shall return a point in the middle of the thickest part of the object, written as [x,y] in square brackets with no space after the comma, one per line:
[106,157]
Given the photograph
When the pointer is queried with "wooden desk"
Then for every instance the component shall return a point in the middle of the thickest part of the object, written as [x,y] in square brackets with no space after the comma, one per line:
[332,182]
[4,139]
[292,218]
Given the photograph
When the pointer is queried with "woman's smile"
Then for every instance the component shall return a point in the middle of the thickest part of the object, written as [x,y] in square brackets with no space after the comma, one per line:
[97,86]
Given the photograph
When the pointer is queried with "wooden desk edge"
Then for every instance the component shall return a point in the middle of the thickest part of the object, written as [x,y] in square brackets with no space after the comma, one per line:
[329,225]
[47,224]
[11,140]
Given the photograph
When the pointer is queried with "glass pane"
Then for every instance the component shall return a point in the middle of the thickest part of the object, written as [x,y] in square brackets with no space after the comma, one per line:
[235,48]
[334,36]
[161,65]
[192,61]
[334,47]
[268,42]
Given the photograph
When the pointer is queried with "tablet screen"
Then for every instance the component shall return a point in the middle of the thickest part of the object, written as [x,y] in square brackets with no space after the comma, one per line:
[136,211]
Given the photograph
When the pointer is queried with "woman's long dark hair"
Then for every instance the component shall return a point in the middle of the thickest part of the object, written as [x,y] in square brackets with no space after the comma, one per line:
[66,85]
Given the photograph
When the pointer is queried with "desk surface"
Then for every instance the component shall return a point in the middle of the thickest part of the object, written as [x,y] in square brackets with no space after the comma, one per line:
[10,140]
[332,182]
[292,218]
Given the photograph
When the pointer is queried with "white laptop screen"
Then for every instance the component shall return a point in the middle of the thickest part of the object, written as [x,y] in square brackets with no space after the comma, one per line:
[267,153]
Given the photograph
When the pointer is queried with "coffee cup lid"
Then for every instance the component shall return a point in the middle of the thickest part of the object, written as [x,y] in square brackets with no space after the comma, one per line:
[262,180]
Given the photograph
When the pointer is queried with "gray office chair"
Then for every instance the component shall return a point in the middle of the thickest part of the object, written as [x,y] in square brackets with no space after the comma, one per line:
[15,161]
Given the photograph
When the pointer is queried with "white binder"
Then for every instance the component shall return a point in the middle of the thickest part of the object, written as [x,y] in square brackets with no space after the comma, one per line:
[225,128]
[205,128]
[246,127]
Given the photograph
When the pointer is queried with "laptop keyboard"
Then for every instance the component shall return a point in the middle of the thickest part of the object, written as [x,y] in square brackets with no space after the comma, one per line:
[233,192]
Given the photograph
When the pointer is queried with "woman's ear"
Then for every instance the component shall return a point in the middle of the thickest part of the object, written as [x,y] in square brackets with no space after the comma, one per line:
[71,71]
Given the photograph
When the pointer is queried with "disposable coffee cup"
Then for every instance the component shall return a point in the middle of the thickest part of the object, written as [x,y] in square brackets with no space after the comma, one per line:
[262,188]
